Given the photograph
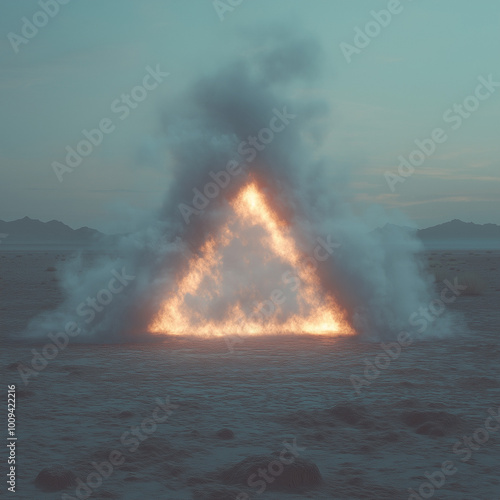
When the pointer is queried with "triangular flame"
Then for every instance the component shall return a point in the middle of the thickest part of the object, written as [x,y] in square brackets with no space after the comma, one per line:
[316,311]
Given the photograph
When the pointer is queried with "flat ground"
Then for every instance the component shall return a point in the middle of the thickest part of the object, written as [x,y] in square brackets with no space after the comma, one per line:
[372,445]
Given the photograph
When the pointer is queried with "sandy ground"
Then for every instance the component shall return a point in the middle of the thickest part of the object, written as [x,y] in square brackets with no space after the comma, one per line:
[217,408]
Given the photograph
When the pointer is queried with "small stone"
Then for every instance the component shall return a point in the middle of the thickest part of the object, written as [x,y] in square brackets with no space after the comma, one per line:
[125,414]
[55,478]
[225,433]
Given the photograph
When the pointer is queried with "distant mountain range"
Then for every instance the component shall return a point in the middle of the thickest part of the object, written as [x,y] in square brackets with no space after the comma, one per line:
[456,229]
[34,232]
[453,234]
[450,234]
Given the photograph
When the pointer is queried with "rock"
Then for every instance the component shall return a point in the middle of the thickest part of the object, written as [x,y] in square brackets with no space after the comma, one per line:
[390,437]
[348,414]
[307,419]
[225,433]
[298,476]
[55,478]
[353,415]
[431,423]
[125,414]
[431,429]
[131,479]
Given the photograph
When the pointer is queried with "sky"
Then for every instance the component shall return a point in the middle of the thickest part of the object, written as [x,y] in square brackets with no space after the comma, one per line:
[392,73]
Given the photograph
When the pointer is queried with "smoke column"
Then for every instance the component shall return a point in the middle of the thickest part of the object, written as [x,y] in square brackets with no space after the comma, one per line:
[377,277]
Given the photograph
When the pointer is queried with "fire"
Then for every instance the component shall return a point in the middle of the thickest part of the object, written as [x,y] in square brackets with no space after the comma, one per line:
[203,287]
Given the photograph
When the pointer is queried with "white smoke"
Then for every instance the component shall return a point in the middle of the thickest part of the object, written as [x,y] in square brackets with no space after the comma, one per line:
[377,277]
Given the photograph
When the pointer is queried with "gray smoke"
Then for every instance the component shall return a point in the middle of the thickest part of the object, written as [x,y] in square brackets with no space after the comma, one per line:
[376,276]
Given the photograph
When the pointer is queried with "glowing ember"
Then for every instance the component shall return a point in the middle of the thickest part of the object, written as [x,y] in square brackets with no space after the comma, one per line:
[211,301]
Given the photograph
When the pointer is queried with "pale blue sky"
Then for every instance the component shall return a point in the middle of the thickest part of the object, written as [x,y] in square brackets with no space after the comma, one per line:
[395,91]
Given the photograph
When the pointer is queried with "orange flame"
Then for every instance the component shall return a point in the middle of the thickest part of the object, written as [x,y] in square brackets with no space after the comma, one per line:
[315,313]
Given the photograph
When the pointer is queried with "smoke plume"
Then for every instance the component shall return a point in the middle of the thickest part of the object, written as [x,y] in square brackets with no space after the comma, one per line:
[219,130]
